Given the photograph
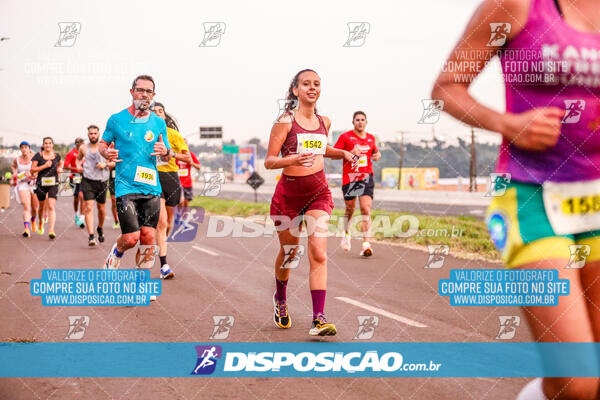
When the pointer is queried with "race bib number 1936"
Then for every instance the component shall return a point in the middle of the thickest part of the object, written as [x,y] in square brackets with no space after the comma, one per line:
[572,207]
[314,143]
[145,175]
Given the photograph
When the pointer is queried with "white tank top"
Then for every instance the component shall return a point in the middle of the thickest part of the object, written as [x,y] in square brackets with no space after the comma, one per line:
[21,169]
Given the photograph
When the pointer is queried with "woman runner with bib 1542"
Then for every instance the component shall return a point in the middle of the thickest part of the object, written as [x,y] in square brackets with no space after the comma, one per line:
[300,135]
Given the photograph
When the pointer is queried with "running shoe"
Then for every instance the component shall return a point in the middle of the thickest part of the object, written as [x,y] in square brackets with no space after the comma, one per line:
[52,235]
[100,234]
[34,226]
[81,222]
[77,220]
[26,233]
[281,317]
[366,251]
[320,327]
[166,273]
[45,220]
[91,241]
[346,241]
[116,225]
[40,230]
[112,261]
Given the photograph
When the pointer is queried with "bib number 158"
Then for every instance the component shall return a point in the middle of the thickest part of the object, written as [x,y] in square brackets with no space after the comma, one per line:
[581,205]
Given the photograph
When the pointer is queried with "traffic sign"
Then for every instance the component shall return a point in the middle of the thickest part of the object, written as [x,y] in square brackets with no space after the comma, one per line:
[255,180]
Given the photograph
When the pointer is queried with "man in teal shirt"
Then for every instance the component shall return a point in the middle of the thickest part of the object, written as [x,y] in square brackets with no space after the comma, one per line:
[134,138]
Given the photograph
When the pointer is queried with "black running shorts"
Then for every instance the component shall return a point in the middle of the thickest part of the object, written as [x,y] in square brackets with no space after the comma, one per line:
[359,188]
[42,191]
[188,193]
[93,190]
[137,210]
[171,188]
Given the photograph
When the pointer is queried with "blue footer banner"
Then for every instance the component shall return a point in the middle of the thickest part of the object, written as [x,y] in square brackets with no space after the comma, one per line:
[317,359]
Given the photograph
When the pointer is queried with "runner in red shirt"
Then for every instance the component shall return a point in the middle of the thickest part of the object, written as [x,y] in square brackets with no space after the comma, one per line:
[358,182]
[185,177]
[71,165]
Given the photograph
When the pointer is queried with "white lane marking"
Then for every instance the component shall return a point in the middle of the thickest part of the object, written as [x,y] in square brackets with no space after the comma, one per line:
[212,253]
[379,311]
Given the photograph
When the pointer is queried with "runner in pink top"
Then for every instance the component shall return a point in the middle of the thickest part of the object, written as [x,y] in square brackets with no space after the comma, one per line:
[545,213]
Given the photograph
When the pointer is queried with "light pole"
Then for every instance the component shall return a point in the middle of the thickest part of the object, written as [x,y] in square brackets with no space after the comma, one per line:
[400,138]
[473,165]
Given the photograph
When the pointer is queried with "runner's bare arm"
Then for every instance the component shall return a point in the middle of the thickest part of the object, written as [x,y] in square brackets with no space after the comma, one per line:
[337,154]
[184,156]
[535,129]
[278,135]
[81,152]
[102,147]
[35,168]
[472,54]
[108,151]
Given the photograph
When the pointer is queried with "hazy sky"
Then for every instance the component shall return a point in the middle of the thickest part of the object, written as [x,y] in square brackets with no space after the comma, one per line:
[59,91]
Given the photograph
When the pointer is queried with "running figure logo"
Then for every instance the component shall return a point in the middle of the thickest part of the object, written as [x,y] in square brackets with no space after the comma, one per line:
[498,184]
[185,225]
[508,326]
[573,109]
[579,252]
[292,254]
[432,109]
[68,34]
[366,326]
[77,325]
[358,184]
[207,359]
[437,255]
[212,183]
[222,326]
[64,185]
[282,103]
[499,34]
[145,256]
[357,33]
[212,34]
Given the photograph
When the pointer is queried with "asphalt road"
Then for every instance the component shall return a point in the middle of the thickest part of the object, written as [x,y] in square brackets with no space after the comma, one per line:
[234,276]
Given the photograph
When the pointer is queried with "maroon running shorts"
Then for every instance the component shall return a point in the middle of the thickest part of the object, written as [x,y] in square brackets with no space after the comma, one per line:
[295,195]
